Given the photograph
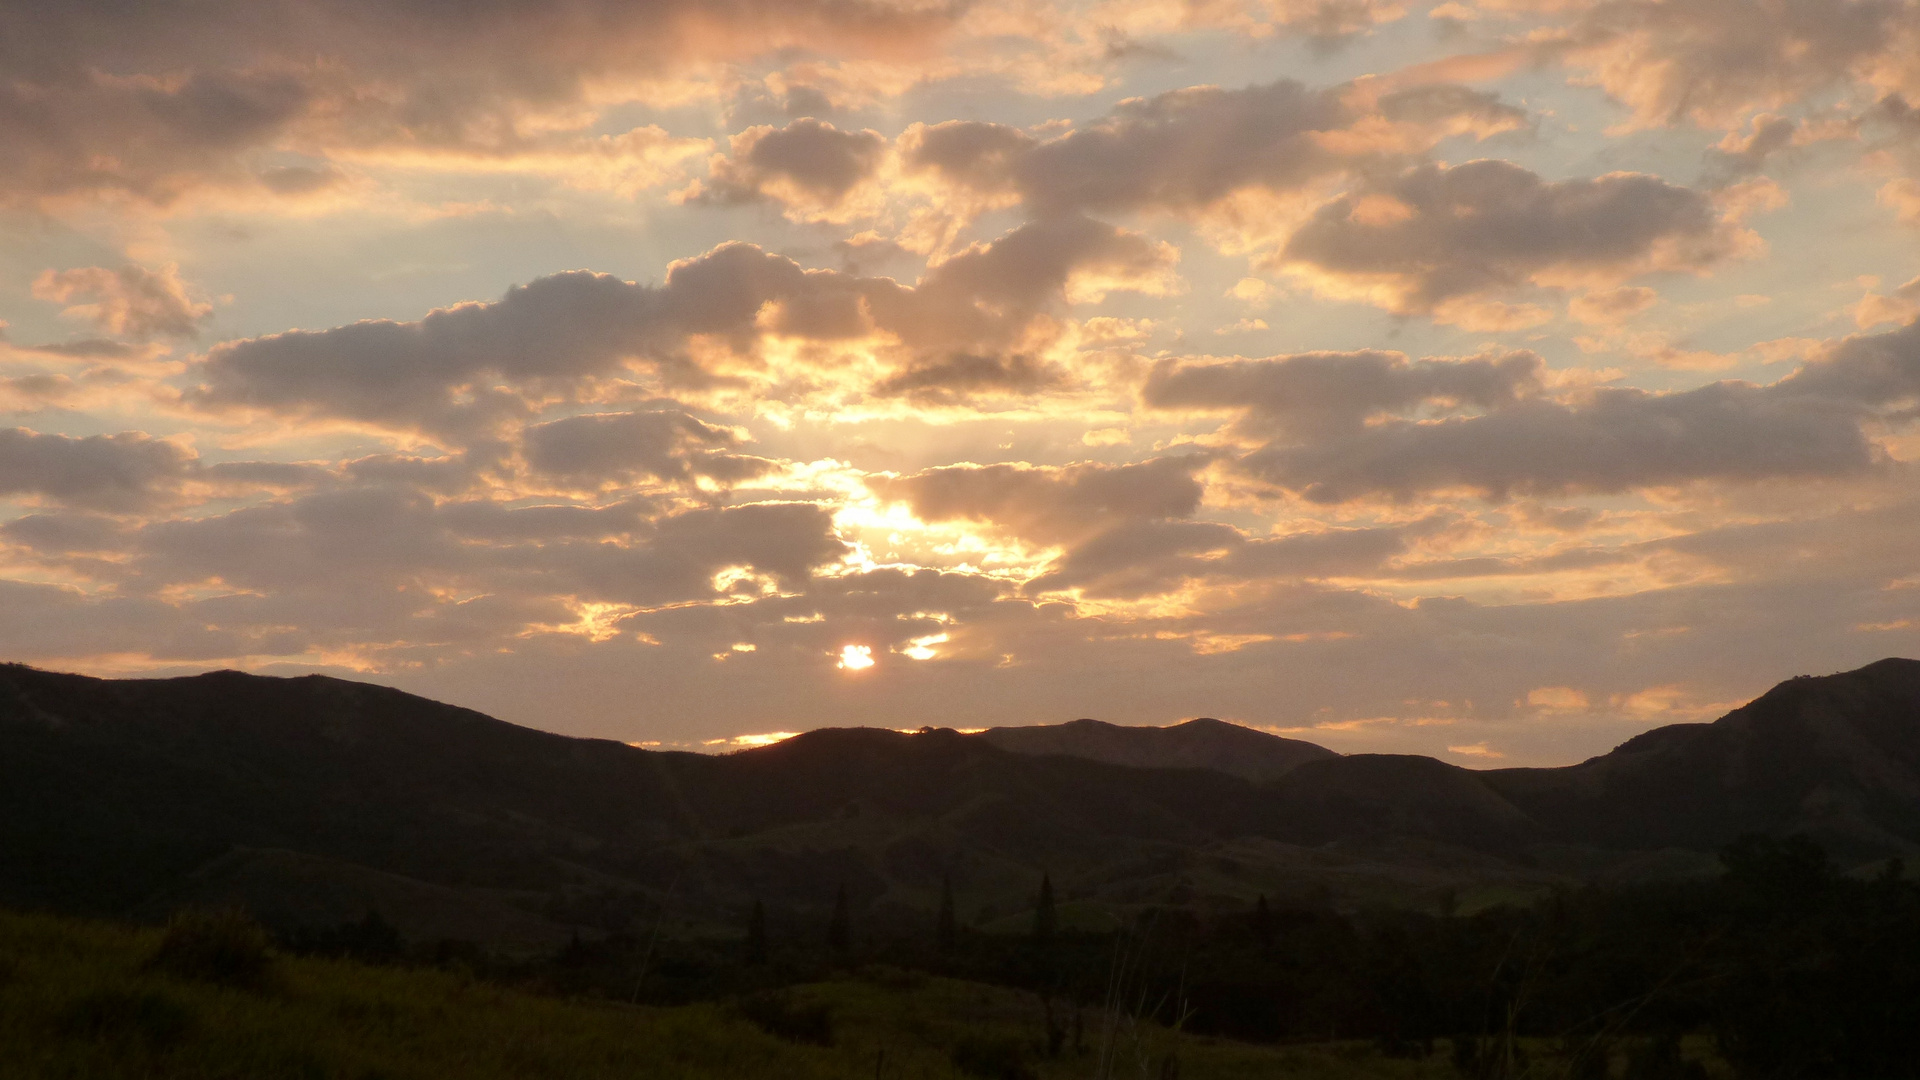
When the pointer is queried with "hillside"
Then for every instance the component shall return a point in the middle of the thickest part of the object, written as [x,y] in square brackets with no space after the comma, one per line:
[312,798]
[1205,743]
[84,999]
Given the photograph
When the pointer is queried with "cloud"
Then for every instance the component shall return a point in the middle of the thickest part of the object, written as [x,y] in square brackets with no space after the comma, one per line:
[1311,396]
[132,301]
[1154,558]
[368,563]
[1737,157]
[810,166]
[1809,425]
[1617,440]
[1878,372]
[1126,531]
[155,100]
[127,471]
[1612,306]
[462,370]
[622,447]
[1049,506]
[1437,234]
[1187,150]
[83,132]
[956,377]
[1714,62]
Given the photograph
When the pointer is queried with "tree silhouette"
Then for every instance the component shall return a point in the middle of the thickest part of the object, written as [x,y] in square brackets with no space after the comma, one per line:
[840,927]
[757,934]
[1045,919]
[1263,920]
[946,930]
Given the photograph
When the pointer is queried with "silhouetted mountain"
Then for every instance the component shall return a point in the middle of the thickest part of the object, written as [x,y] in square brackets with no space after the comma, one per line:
[1836,757]
[1205,743]
[129,796]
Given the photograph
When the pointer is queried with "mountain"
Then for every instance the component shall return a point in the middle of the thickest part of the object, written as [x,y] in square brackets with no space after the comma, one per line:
[1835,757]
[1205,743]
[314,796]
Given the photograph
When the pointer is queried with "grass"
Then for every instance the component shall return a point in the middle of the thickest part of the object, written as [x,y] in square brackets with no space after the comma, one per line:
[93,1001]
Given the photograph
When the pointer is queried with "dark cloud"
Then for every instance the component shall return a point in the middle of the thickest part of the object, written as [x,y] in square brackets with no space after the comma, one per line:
[127,471]
[1875,371]
[808,163]
[1152,558]
[86,132]
[957,377]
[621,447]
[1335,436]
[462,369]
[1435,233]
[378,553]
[1188,149]
[153,99]
[1618,440]
[1127,531]
[1311,396]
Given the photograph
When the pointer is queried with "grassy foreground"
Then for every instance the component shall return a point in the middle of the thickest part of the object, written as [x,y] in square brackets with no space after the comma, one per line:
[89,1000]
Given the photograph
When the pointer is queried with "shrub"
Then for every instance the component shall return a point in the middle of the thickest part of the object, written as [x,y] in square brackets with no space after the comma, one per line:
[221,947]
[145,1015]
[992,1058]
[780,1016]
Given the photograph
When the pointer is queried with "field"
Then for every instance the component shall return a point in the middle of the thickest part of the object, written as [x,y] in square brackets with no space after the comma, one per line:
[103,1002]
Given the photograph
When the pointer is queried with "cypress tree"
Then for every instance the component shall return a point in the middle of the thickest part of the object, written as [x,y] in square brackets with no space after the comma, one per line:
[946,930]
[1045,919]
[757,934]
[840,927]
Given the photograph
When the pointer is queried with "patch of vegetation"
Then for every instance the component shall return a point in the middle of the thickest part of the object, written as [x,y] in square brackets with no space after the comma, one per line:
[224,948]
[88,1001]
[779,1015]
[992,1058]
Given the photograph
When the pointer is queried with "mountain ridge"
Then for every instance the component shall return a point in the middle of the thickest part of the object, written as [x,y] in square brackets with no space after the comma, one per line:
[113,792]
[1203,743]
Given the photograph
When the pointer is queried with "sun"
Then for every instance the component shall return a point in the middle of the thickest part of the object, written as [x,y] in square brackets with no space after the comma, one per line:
[856,658]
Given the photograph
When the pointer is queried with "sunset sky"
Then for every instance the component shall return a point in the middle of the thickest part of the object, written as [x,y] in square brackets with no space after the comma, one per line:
[1492,381]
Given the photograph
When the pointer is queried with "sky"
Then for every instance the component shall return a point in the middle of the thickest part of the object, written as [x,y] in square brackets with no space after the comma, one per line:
[1494,379]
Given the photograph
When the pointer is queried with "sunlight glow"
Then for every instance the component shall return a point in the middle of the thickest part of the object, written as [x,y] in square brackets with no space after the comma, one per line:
[855,658]
[921,648]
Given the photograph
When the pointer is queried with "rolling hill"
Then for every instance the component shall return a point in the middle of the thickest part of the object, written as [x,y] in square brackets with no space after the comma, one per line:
[1205,743]
[315,796]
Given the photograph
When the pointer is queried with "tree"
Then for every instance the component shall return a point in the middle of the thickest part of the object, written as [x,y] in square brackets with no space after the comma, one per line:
[757,934]
[946,929]
[1045,919]
[840,927]
[1263,920]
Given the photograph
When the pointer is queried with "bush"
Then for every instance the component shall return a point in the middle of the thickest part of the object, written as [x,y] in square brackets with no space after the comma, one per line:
[783,1018]
[146,1016]
[221,947]
[992,1059]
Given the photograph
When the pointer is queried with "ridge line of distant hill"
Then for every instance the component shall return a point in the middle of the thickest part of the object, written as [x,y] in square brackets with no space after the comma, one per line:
[317,797]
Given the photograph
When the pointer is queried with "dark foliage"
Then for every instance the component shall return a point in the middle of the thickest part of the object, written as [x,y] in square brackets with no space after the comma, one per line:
[757,934]
[1046,918]
[992,1058]
[840,923]
[221,947]
[150,1017]
[780,1015]
[371,940]
[946,929]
